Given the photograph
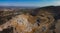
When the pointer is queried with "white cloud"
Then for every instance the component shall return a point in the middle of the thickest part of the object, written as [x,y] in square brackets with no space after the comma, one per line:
[53,3]
[57,3]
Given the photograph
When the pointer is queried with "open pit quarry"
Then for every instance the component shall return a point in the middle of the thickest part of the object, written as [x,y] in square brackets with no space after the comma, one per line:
[38,21]
[26,23]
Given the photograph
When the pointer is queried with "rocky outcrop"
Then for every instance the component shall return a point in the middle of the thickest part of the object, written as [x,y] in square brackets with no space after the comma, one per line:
[26,23]
[40,20]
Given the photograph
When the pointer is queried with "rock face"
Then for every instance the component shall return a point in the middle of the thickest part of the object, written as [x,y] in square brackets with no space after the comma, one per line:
[41,20]
[26,23]
[57,27]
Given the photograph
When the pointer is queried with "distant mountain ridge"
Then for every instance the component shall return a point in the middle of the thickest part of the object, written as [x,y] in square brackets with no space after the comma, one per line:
[52,9]
[18,7]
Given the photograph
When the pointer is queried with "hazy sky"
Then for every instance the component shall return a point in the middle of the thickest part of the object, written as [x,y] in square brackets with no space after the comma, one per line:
[38,3]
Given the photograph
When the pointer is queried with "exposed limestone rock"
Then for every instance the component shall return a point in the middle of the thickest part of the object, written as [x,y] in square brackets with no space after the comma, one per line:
[26,23]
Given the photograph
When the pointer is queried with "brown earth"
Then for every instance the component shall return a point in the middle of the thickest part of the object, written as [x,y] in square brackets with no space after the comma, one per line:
[40,20]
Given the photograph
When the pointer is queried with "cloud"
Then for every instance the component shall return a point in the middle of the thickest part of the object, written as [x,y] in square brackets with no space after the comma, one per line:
[57,3]
[51,3]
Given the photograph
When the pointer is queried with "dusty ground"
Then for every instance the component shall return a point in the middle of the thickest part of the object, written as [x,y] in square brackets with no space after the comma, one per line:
[26,23]
[41,20]
[58,27]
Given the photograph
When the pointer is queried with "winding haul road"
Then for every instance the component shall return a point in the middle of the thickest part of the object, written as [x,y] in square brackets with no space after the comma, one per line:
[26,23]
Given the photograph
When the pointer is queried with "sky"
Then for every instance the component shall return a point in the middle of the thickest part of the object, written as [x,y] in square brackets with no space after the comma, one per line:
[37,3]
